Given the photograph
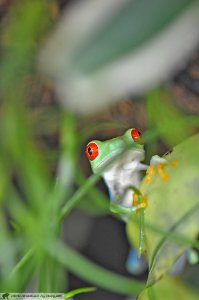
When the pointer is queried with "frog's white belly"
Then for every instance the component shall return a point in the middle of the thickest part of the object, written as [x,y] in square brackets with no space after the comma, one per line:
[123,174]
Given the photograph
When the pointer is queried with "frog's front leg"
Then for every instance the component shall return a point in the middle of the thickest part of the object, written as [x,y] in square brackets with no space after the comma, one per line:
[158,164]
[125,211]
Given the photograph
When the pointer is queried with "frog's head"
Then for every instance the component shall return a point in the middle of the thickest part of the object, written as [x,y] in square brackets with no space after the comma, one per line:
[100,154]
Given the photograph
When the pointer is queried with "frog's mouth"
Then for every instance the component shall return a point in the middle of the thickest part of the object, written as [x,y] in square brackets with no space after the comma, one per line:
[119,154]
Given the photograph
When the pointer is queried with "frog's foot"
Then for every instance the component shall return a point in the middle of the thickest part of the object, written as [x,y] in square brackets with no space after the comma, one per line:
[159,167]
[161,171]
[149,173]
[139,201]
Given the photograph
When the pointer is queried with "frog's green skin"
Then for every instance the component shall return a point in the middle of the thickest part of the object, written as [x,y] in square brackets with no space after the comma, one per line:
[119,163]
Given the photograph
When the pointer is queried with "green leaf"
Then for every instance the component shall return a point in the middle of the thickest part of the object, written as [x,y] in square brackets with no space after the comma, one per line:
[66,164]
[25,23]
[172,125]
[135,23]
[74,200]
[52,276]
[173,207]
[91,272]
[22,272]
[170,288]
[79,291]
[94,202]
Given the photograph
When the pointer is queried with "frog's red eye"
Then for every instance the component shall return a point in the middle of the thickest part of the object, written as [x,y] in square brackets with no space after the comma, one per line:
[136,134]
[91,151]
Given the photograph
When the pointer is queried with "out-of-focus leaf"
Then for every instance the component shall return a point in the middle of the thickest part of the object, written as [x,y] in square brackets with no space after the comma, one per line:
[4,178]
[135,23]
[34,179]
[173,207]
[91,272]
[171,288]
[21,274]
[66,164]
[171,124]
[78,195]
[24,24]
[102,50]
[48,282]
[95,202]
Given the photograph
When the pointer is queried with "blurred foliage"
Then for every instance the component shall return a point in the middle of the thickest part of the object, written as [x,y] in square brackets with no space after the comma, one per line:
[126,31]
[34,198]
[30,197]
[102,51]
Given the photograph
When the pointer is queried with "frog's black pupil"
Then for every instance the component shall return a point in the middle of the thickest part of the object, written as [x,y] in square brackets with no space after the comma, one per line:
[89,151]
[139,133]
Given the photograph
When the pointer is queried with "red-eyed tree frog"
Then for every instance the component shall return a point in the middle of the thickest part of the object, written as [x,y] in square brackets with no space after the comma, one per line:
[118,161]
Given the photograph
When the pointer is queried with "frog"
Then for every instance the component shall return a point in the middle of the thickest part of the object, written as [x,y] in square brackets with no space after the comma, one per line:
[119,162]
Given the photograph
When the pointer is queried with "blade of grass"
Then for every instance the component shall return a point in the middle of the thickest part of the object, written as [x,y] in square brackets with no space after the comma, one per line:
[94,201]
[91,272]
[67,160]
[79,291]
[52,276]
[78,195]
[20,275]
[22,262]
